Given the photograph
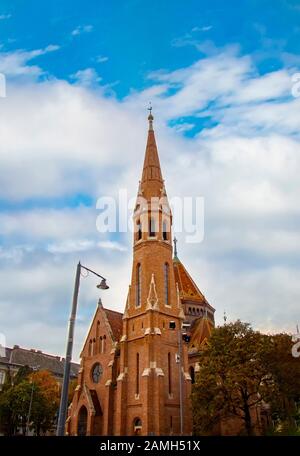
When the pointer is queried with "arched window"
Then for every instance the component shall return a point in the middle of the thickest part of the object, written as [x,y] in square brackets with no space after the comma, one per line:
[152,230]
[139,230]
[103,344]
[137,426]
[90,347]
[169,373]
[137,384]
[94,347]
[167,284]
[165,231]
[100,345]
[192,374]
[190,310]
[138,285]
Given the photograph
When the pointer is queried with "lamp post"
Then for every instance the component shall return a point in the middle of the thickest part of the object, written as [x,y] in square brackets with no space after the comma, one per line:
[66,378]
[35,368]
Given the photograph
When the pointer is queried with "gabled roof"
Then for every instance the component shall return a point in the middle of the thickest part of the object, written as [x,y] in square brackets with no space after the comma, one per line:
[188,290]
[115,320]
[112,319]
[36,358]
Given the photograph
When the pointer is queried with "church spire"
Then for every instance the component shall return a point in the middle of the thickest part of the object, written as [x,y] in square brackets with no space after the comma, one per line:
[152,183]
[150,117]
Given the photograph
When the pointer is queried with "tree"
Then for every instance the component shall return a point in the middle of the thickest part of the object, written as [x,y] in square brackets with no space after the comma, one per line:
[285,370]
[72,385]
[232,378]
[37,393]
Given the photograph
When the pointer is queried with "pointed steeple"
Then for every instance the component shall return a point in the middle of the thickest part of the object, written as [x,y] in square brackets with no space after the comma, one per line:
[152,184]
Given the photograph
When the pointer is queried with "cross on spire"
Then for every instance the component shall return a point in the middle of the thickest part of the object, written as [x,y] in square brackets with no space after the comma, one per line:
[150,117]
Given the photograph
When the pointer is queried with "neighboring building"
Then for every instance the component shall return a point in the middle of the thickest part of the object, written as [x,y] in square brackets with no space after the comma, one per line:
[129,377]
[16,357]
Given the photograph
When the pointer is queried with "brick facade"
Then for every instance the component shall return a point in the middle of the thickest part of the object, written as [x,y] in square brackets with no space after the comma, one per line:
[137,390]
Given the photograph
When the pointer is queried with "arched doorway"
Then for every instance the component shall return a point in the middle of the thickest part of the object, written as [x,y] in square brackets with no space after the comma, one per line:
[82,421]
[137,426]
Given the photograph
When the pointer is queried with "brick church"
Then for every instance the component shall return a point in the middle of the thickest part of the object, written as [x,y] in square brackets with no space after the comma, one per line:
[137,367]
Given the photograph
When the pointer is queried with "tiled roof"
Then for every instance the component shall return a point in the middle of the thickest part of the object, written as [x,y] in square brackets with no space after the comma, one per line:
[188,290]
[116,323]
[33,358]
[200,333]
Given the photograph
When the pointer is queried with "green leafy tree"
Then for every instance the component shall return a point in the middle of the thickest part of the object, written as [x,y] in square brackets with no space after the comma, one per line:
[285,370]
[34,399]
[232,378]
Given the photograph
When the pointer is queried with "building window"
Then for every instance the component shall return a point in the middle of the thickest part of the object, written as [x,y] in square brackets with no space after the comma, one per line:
[90,347]
[167,284]
[137,386]
[138,285]
[96,373]
[100,344]
[152,230]
[94,347]
[137,426]
[139,230]
[169,373]
[192,374]
[103,344]
[165,231]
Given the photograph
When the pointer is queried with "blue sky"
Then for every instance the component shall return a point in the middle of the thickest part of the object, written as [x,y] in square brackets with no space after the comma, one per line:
[138,37]
[73,127]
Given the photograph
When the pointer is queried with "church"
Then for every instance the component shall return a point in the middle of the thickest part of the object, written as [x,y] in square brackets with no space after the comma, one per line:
[137,368]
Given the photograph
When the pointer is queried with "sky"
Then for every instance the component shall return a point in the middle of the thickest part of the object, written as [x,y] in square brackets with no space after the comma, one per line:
[73,126]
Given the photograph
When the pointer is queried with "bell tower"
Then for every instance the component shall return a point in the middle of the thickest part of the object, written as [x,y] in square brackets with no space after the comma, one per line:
[148,392]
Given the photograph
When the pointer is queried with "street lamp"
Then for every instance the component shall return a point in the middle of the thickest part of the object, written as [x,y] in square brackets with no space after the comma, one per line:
[35,368]
[66,378]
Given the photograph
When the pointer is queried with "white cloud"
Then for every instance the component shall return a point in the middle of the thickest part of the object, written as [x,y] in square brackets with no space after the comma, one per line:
[205,28]
[87,77]
[82,29]
[4,16]
[101,59]
[59,139]
[17,63]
